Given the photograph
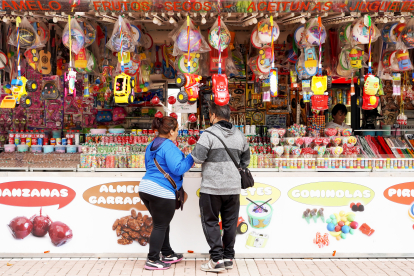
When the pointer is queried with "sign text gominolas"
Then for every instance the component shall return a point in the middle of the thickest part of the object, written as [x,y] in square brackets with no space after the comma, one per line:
[331,193]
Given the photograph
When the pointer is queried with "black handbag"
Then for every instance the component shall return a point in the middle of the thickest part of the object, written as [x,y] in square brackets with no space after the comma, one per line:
[180,195]
[247,180]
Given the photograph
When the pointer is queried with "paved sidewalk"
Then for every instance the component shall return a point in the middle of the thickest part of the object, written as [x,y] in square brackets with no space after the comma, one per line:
[191,267]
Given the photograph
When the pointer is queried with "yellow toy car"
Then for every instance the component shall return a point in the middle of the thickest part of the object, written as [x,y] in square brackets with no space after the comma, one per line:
[18,90]
[123,89]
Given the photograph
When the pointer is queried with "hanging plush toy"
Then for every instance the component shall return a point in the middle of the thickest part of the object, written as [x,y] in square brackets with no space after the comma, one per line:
[319,82]
[356,55]
[369,99]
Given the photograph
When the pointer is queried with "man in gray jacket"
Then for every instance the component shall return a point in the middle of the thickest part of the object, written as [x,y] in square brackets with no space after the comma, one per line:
[220,185]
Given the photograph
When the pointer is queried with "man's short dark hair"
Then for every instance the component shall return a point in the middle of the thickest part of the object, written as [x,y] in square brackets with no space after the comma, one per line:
[221,112]
[339,107]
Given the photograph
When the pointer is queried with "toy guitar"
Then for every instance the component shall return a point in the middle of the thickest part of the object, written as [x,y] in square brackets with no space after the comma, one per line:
[44,66]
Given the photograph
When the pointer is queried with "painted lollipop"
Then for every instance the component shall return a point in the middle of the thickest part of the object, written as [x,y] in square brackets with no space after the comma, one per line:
[347,132]
[281,132]
[318,141]
[279,151]
[274,140]
[299,141]
[308,141]
[352,140]
[295,152]
[321,151]
[337,151]
[329,132]
[337,140]
[290,141]
[325,141]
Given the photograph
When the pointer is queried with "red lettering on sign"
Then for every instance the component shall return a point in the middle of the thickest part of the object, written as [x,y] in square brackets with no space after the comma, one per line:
[292,8]
[19,7]
[384,8]
[317,6]
[199,5]
[363,6]
[29,5]
[328,6]
[284,5]
[5,3]
[125,5]
[96,3]
[411,7]
[106,4]
[117,8]
[168,6]
[270,6]
[303,7]
[251,6]
[356,6]
[207,6]
[405,5]
[259,5]
[35,193]
[145,6]
[57,3]
[136,4]
[394,6]
[184,6]
[177,5]
[40,6]
[374,6]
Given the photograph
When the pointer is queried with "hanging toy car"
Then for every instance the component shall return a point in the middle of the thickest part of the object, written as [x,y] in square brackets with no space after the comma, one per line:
[191,84]
[220,94]
[123,89]
[356,55]
[18,90]
[369,99]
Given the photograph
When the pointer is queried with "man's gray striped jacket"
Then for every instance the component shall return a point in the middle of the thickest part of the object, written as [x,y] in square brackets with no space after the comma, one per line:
[220,175]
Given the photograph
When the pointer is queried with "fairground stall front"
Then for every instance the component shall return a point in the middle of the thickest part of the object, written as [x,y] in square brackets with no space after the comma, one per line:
[82,81]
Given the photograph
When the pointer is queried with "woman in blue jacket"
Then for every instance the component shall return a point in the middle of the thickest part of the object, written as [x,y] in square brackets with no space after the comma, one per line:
[158,194]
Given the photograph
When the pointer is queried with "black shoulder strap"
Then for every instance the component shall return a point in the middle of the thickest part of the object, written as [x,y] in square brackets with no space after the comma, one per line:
[227,149]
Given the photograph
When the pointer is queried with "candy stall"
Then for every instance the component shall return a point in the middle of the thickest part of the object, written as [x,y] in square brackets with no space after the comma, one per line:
[322,90]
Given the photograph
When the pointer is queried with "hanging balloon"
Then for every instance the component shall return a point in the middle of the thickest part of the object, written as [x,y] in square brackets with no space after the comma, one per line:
[158,114]
[312,35]
[360,32]
[90,33]
[195,41]
[192,118]
[136,33]
[78,40]
[213,38]
[345,33]
[126,41]
[298,36]
[344,59]
[26,37]
[155,100]
[254,39]
[264,31]
[174,115]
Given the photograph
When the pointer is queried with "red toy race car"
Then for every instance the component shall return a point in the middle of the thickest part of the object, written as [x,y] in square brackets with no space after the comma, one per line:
[191,85]
[220,94]
[242,226]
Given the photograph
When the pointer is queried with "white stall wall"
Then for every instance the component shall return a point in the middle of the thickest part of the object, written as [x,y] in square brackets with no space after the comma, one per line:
[288,233]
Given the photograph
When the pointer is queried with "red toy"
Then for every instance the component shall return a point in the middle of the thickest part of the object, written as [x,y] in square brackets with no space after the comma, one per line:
[174,115]
[220,94]
[369,99]
[320,102]
[366,229]
[242,226]
[191,85]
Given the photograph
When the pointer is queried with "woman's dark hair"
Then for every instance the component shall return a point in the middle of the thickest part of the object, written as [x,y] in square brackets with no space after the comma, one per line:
[339,107]
[164,125]
[221,112]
